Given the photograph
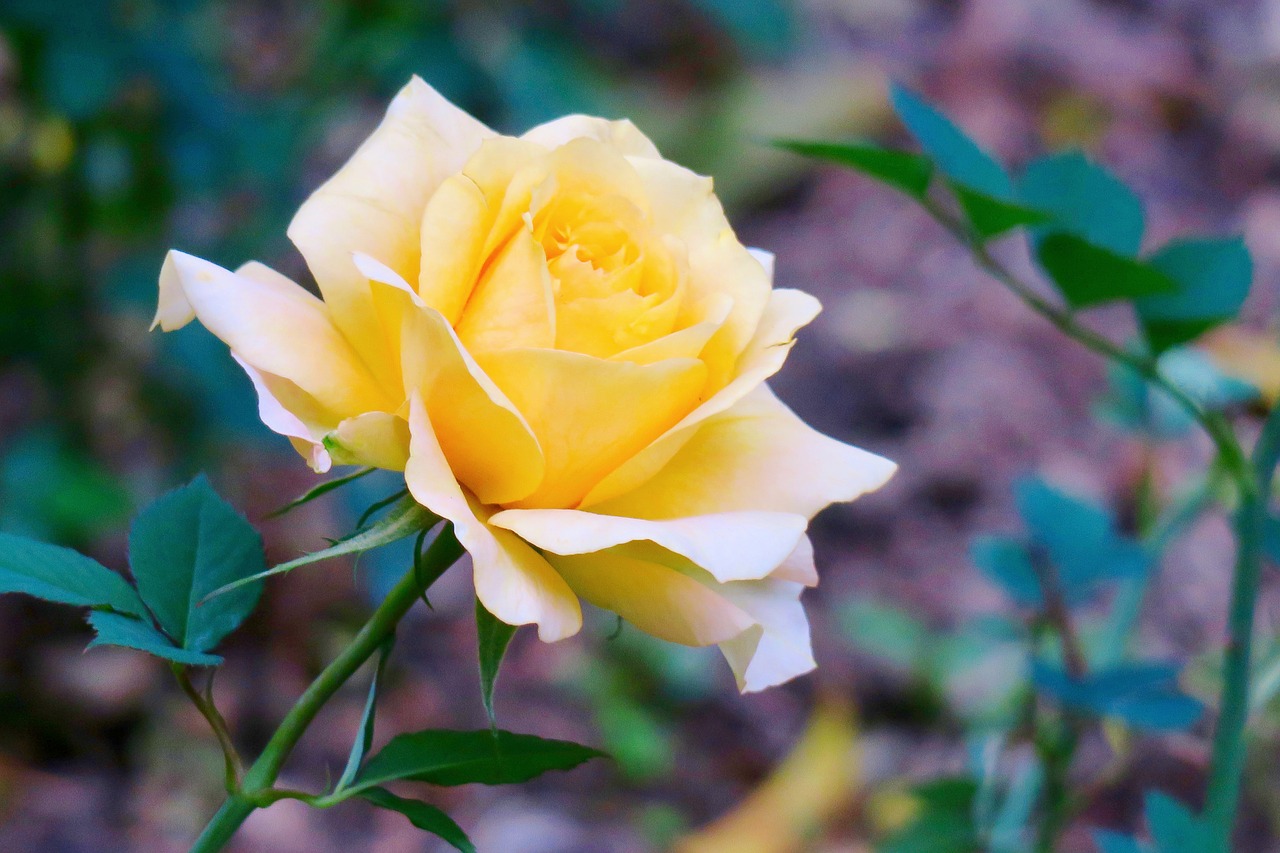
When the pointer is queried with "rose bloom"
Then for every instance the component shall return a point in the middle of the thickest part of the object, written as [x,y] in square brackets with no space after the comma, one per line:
[561,342]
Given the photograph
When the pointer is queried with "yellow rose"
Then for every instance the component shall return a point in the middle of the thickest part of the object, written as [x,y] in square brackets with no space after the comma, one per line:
[562,343]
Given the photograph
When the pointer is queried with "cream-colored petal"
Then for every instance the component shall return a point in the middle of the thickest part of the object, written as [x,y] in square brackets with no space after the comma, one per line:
[787,312]
[512,305]
[374,439]
[623,136]
[288,410]
[689,342]
[779,649]
[655,598]
[799,566]
[374,204]
[512,581]
[589,414]
[455,226]
[730,546]
[279,330]
[756,456]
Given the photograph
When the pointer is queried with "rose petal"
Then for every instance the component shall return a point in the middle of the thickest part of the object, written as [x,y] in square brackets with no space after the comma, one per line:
[288,410]
[780,648]
[512,305]
[374,439]
[623,136]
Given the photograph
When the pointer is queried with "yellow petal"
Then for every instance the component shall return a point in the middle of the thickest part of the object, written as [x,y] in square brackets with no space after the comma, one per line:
[779,648]
[455,225]
[655,598]
[686,343]
[730,546]
[512,306]
[280,330]
[588,414]
[374,205]
[288,410]
[374,439]
[622,136]
[512,581]
[756,456]
[787,312]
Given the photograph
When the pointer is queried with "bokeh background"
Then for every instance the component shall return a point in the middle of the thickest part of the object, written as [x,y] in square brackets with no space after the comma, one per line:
[130,126]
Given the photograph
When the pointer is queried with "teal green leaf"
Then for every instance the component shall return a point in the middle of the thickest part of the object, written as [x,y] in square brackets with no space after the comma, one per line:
[888,633]
[1144,695]
[320,490]
[990,216]
[1086,200]
[1174,828]
[422,815]
[901,170]
[117,629]
[493,636]
[1212,279]
[958,156]
[406,518]
[364,736]
[1114,842]
[182,547]
[63,576]
[1091,275]
[487,757]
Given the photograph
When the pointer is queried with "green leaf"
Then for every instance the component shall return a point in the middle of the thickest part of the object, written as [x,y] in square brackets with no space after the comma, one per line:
[990,216]
[320,490]
[889,633]
[425,817]
[944,822]
[1113,842]
[1144,695]
[1086,200]
[901,170]
[182,547]
[957,156]
[1091,275]
[1006,562]
[116,629]
[406,518]
[1174,828]
[63,576]
[487,757]
[364,737]
[493,636]
[1212,279]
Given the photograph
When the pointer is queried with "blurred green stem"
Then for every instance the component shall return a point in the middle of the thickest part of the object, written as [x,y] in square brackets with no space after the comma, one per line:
[260,778]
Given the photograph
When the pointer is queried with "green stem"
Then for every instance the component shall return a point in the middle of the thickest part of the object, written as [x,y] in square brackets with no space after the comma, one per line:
[1229,747]
[444,551]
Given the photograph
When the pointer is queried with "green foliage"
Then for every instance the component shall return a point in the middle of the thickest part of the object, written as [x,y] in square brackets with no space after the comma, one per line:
[902,170]
[944,822]
[492,636]
[364,735]
[1212,278]
[1144,695]
[1112,842]
[63,576]
[1084,199]
[1089,275]
[422,815]
[181,548]
[117,629]
[487,757]
[1173,827]
[320,490]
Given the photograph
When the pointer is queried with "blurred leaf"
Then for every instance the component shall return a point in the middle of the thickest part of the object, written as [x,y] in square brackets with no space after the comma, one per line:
[1174,828]
[991,216]
[888,633]
[489,757]
[117,629]
[1085,199]
[364,735]
[762,26]
[810,789]
[493,636]
[80,77]
[1144,695]
[1089,275]
[422,815]
[1212,279]
[943,823]
[1195,374]
[182,547]
[63,576]
[406,518]
[901,170]
[1006,562]
[50,490]
[1112,842]
[320,490]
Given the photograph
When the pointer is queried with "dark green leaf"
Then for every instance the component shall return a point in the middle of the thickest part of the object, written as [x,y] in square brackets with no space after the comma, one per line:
[990,216]
[406,518]
[63,576]
[1090,275]
[422,815]
[944,822]
[901,170]
[182,547]
[116,629]
[364,736]
[488,757]
[1212,280]
[1174,828]
[493,637]
[320,490]
[1086,200]
[958,156]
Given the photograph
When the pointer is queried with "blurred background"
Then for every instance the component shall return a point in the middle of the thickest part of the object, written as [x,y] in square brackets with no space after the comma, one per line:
[131,126]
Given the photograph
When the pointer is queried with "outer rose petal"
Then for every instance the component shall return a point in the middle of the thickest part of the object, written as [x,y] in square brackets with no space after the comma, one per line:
[512,581]
[623,136]
[376,439]
[779,649]
[288,410]
[798,567]
[730,546]
[756,456]
[278,329]
[374,205]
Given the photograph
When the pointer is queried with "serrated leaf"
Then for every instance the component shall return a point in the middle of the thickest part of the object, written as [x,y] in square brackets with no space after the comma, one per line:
[182,547]
[1006,562]
[422,815]
[486,757]
[117,629]
[1114,842]
[902,170]
[492,638]
[957,156]
[1089,275]
[1086,200]
[63,576]
[1174,828]
[1212,279]
[1145,696]
[406,518]
[320,490]
[364,735]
